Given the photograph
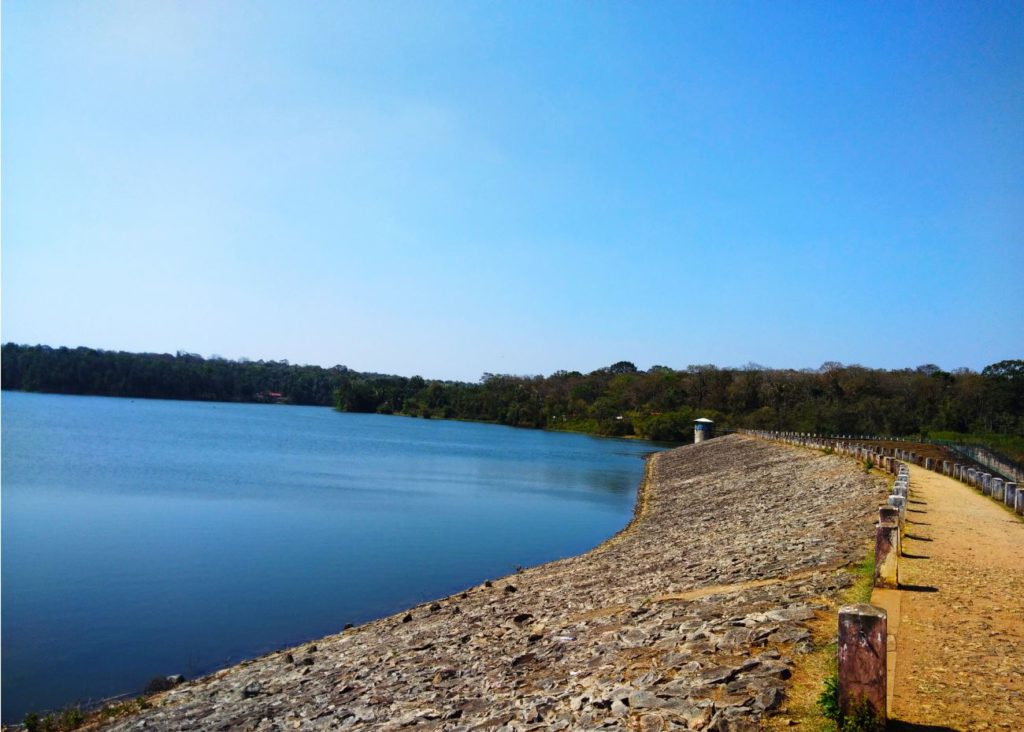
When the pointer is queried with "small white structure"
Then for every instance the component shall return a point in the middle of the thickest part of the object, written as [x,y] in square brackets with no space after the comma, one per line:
[702,429]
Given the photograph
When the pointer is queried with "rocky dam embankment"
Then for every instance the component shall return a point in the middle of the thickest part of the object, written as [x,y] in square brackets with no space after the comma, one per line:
[688,619]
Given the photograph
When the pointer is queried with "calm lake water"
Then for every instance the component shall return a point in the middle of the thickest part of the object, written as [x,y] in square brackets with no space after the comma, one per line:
[145,537]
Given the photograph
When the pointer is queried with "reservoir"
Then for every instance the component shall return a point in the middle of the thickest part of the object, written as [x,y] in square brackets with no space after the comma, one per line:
[143,538]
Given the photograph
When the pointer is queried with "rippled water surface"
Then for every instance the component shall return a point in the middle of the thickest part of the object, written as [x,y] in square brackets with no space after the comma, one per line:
[145,537]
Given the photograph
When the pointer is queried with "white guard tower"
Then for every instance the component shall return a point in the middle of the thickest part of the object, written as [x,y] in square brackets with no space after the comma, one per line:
[702,429]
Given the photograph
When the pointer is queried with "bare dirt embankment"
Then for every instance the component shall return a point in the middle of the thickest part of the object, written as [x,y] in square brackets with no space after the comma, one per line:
[686,620]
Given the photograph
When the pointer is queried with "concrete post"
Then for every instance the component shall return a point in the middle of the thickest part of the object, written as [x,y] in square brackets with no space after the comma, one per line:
[887,550]
[862,659]
[888,514]
[946,468]
[957,471]
[972,476]
[1019,508]
[996,489]
[1011,495]
[900,503]
[929,464]
[986,483]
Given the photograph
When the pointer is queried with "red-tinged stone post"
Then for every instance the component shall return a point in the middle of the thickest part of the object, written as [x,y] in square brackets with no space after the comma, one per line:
[862,636]
[887,547]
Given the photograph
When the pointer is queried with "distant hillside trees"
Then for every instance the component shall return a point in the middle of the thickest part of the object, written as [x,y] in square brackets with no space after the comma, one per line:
[162,376]
[660,403]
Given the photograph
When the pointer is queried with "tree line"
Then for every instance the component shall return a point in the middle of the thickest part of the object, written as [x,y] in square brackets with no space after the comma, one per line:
[620,400]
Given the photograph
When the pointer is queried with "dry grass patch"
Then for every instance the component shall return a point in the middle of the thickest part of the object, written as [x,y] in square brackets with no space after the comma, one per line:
[800,709]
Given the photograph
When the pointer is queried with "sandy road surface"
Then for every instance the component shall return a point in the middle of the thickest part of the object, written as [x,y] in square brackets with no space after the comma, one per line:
[960,658]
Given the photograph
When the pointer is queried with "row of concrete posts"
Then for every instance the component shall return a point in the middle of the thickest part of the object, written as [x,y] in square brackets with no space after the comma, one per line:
[1000,490]
[862,627]
[863,631]
[883,457]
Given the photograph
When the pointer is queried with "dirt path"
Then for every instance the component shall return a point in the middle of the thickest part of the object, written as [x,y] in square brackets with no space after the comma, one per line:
[960,656]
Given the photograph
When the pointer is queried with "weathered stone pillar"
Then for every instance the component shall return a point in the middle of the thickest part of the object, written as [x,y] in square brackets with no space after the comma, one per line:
[958,471]
[900,503]
[996,489]
[888,514]
[946,467]
[1019,508]
[972,476]
[887,548]
[862,659]
[986,483]
[1011,495]
[929,464]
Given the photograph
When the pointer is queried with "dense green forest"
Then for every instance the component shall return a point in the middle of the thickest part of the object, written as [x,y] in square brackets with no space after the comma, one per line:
[659,403]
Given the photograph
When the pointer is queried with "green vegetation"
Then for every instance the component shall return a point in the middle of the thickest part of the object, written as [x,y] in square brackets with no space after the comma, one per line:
[1012,446]
[812,700]
[72,718]
[863,718]
[163,376]
[827,704]
[864,581]
[659,404]
[69,719]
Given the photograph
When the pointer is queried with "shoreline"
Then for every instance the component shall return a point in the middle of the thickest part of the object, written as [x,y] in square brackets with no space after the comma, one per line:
[665,444]
[686,618]
[640,508]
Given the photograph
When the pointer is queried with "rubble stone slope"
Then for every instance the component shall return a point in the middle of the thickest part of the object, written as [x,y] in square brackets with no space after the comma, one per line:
[685,620]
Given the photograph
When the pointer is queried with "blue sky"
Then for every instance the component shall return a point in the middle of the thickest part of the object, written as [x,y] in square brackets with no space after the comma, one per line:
[452,188]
